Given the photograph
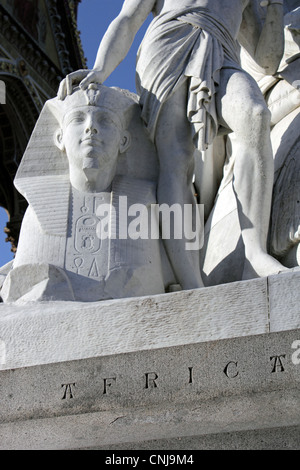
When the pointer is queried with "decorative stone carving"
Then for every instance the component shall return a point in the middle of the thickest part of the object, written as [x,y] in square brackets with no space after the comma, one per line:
[191,88]
[59,35]
[102,163]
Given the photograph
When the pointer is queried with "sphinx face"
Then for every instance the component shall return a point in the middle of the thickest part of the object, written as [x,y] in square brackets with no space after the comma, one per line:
[91,138]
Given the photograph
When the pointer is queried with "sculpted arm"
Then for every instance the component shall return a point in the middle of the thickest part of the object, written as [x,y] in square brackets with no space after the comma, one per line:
[264,41]
[113,47]
[120,35]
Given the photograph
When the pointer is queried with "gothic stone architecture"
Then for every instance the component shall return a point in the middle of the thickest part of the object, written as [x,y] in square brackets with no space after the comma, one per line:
[39,45]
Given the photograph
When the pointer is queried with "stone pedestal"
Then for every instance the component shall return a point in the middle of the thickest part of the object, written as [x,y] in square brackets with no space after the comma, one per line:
[213,368]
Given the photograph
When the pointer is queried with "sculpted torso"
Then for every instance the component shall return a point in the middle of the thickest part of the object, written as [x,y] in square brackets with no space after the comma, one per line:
[234,9]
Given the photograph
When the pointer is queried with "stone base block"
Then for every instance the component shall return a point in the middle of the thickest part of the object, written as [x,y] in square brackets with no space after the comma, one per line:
[218,394]
[49,332]
[210,368]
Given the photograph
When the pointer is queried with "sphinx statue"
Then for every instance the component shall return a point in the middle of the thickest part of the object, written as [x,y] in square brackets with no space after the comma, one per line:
[87,166]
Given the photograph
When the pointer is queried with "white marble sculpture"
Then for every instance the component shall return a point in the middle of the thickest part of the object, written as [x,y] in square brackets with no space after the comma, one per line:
[283,99]
[282,94]
[223,248]
[192,91]
[88,156]
[191,88]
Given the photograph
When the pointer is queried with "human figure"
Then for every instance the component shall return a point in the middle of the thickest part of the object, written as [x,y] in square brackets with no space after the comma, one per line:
[282,94]
[191,86]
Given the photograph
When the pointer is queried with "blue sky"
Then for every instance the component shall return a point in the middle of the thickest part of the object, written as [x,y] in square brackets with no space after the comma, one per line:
[93,20]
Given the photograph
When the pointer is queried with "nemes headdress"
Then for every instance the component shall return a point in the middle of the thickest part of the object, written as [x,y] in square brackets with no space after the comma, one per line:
[43,175]
[118,103]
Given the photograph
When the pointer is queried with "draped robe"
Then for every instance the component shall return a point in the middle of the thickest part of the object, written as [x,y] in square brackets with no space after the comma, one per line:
[186,44]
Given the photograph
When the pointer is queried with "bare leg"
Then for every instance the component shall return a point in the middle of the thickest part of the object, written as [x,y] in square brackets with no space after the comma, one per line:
[243,110]
[176,157]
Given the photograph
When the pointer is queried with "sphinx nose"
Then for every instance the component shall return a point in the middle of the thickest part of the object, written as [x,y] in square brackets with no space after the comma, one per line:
[90,129]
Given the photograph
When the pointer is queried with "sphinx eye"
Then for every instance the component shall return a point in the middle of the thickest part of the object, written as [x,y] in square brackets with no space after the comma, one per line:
[106,122]
[75,118]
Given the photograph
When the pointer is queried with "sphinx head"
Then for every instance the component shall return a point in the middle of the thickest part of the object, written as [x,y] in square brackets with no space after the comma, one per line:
[93,133]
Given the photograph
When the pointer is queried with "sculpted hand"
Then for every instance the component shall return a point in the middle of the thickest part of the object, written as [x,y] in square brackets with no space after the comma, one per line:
[94,76]
[82,77]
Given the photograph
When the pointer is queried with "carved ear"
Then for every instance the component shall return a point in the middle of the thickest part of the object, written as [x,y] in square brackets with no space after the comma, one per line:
[58,139]
[125,142]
